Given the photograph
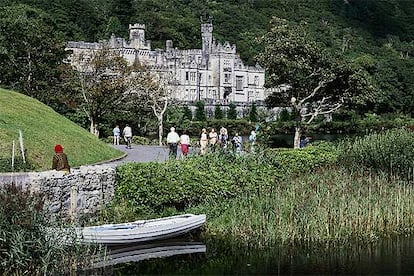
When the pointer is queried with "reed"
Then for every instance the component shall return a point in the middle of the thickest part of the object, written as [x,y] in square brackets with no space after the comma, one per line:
[390,152]
[330,206]
[26,247]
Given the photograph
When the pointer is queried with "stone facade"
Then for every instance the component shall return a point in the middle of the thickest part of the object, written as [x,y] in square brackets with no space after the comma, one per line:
[214,74]
[83,191]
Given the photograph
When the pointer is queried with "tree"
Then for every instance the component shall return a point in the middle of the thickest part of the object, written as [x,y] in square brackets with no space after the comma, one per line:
[319,82]
[200,113]
[101,76]
[31,52]
[187,114]
[152,88]
[253,113]
[232,112]
[218,113]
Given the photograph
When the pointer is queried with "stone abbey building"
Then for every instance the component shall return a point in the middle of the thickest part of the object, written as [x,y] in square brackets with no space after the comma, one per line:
[214,74]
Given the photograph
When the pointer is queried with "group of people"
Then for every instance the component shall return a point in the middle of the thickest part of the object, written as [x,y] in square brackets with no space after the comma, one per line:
[208,141]
[126,132]
[173,139]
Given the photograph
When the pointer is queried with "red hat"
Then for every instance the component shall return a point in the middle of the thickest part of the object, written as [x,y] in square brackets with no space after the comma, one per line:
[58,148]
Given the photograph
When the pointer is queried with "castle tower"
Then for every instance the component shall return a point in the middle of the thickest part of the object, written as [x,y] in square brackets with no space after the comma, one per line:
[137,35]
[207,38]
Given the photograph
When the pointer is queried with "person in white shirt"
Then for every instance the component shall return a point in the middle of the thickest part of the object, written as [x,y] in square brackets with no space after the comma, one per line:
[203,141]
[185,143]
[127,132]
[213,139]
[117,132]
[172,141]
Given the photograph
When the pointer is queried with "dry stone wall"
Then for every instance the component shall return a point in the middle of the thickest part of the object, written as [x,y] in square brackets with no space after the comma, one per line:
[83,191]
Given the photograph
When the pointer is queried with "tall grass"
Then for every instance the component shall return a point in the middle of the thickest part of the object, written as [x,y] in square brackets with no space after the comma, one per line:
[390,152]
[330,206]
[26,246]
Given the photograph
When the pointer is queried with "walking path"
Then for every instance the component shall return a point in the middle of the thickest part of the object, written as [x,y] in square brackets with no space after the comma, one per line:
[140,153]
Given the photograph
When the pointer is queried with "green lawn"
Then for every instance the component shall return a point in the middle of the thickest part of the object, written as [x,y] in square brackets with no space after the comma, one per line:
[42,128]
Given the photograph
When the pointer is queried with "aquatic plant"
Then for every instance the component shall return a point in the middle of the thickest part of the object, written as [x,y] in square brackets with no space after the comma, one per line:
[390,152]
[26,247]
[328,206]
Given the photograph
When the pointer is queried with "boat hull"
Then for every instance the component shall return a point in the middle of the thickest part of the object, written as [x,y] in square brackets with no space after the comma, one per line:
[141,231]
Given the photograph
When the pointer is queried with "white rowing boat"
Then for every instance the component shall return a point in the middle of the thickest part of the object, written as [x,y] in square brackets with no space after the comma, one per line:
[141,230]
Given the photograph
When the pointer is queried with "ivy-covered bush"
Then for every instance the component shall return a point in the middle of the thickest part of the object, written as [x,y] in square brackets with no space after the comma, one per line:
[183,183]
[390,152]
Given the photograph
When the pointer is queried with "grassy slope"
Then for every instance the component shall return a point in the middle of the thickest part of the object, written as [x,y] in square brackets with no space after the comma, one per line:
[43,128]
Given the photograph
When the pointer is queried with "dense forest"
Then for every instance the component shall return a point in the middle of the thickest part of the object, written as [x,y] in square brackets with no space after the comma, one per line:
[377,34]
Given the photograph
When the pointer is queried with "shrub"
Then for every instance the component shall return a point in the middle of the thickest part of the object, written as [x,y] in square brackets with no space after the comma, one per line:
[190,181]
[306,159]
[390,152]
[136,140]
[184,183]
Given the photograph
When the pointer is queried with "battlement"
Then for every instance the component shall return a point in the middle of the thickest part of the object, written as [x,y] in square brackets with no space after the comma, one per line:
[137,26]
[84,45]
[226,47]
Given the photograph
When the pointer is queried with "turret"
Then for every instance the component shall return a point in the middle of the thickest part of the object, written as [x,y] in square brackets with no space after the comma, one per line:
[207,38]
[137,36]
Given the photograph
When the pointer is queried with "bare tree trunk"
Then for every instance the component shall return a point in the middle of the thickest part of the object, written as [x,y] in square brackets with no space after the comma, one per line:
[160,130]
[94,128]
[298,134]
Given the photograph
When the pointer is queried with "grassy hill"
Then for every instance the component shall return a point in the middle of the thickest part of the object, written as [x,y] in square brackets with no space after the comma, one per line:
[42,128]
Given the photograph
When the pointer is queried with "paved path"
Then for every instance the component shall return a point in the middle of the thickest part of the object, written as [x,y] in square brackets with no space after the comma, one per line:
[140,153]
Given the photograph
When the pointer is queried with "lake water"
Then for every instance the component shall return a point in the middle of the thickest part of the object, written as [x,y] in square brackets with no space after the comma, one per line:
[286,140]
[224,257]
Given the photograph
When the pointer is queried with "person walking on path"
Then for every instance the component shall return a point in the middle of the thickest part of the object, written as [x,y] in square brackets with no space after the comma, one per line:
[172,141]
[203,141]
[117,133]
[127,132]
[185,143]
[237,143]
[213,139]
[60,160]
[223,138]
[252,140]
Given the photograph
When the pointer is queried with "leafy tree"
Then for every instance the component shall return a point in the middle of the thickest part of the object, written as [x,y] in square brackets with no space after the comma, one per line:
[115,27]
[253,113]
[101,84]
[31,52]
[218,113]
[319,82]
[123,11]
[187,114]
[200,113]
[232,112]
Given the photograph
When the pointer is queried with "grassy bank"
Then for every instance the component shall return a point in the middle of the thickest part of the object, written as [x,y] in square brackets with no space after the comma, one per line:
[42,128]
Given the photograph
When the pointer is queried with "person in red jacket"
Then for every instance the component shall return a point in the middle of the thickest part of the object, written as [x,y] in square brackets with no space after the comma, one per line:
[60,160]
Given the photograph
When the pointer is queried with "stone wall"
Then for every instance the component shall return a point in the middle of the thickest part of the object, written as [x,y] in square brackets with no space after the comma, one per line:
[83,191]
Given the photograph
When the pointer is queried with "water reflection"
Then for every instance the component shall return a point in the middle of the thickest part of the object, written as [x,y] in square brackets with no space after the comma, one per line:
[139,252]
[227,257]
